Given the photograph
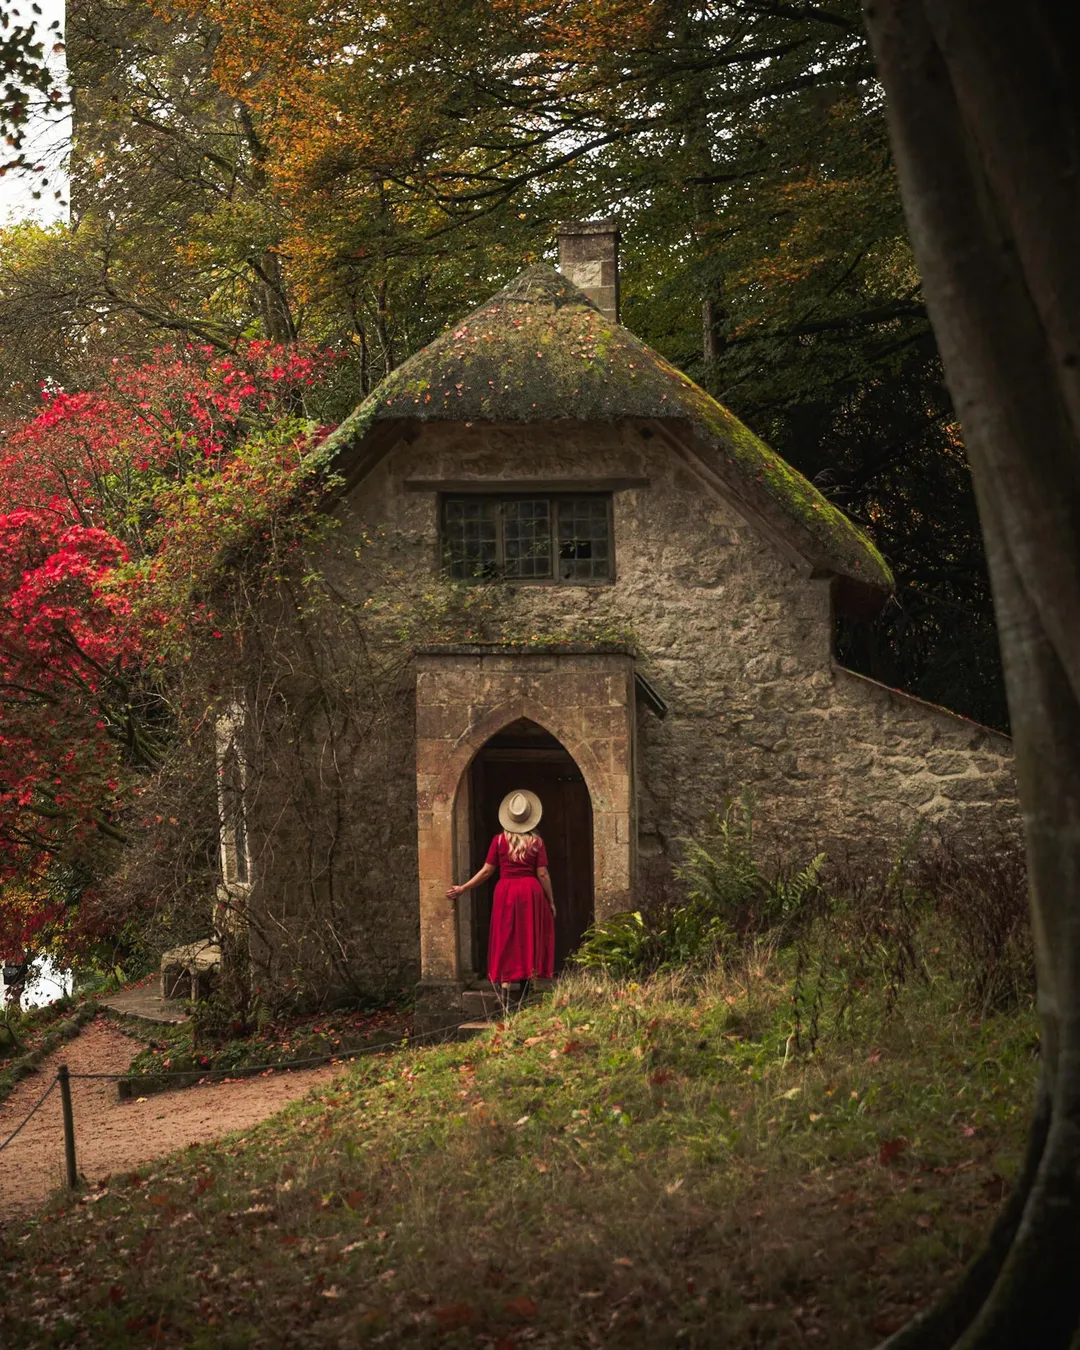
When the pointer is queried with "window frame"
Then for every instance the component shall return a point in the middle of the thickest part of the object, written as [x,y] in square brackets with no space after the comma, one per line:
[499,497]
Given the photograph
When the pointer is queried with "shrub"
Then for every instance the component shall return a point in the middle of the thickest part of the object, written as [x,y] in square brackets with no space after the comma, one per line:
[727,897]
[851,931]
[983,904]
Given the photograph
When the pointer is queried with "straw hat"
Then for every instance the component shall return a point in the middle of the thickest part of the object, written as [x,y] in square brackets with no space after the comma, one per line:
[520,811]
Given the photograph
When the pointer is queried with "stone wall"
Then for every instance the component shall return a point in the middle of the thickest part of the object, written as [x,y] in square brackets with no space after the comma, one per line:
[331,813]
[906,759]
[734,635]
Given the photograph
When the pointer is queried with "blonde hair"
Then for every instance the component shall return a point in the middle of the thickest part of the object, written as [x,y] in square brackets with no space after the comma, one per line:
[520,846]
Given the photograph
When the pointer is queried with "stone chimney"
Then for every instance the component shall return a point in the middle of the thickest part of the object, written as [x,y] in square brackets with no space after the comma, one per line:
[589,257]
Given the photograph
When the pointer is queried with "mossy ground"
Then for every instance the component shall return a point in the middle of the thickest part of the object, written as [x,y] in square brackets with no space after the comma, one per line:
[618,1166]
[176,1056]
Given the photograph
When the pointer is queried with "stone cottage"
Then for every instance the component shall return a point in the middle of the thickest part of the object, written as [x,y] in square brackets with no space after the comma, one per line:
[666,587]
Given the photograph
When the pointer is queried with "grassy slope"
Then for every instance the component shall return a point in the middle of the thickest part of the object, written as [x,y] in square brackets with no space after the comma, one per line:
[619,1167]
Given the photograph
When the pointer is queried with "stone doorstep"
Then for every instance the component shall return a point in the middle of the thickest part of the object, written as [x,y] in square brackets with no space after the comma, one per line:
[480,1003]
[484,1001]
[469,1031]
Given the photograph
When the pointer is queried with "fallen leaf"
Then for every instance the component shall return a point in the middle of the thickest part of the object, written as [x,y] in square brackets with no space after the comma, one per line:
[522,1307]
[354,1199]
[890,1149]
[995,1187]
[571,1047]
[925,1221]
[455,1316]
[660,1077]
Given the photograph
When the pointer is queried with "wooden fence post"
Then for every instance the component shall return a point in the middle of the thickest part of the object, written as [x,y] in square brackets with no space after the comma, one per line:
[64,1080]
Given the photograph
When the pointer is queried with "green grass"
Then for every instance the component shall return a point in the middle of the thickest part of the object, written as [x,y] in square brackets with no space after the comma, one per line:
[619,1166]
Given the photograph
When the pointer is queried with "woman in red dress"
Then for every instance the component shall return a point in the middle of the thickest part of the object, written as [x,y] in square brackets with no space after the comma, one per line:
[521,944]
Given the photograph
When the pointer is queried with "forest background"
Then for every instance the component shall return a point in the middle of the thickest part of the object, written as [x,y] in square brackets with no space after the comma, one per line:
[273,206]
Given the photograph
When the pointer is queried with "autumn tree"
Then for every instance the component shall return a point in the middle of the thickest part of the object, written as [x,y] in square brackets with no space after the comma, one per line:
[115,506]
[984,114]
[362,177]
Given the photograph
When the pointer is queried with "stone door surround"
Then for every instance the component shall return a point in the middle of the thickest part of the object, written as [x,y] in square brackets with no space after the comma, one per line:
[583,695]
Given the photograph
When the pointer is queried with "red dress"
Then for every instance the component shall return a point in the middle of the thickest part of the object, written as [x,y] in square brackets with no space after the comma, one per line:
[521,944]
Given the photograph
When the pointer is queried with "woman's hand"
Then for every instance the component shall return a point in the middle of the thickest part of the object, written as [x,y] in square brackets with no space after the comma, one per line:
[478,880]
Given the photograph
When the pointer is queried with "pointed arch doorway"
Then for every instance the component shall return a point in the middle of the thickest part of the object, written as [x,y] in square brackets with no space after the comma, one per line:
[524,755]
[467,696]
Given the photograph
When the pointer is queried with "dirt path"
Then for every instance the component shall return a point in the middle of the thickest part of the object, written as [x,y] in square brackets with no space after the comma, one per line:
[113,1136]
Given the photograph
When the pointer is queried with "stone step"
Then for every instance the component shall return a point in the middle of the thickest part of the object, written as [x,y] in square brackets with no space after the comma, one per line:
[476,1004]
[470,1030]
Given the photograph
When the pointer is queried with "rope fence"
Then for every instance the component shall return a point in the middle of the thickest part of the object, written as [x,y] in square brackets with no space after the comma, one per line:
[64,1078]
[28,1117]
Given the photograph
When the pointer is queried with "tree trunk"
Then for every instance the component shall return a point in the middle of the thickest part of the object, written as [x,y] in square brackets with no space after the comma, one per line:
[982,105]
[273,300]
[712,330]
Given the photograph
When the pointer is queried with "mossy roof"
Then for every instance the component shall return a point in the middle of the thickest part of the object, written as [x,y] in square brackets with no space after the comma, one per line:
[540,351]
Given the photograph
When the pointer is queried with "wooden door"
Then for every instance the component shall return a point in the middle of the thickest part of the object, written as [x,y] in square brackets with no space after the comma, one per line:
[566,829]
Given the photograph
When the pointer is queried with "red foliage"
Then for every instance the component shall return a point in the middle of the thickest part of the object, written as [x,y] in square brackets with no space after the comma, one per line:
[91,456]
[82,486]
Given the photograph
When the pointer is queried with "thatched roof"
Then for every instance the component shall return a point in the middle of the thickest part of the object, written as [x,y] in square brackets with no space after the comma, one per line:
[539,351]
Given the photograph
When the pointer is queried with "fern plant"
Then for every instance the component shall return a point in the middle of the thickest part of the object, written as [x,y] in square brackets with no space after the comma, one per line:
[723,877]
[727,894]
[618,944]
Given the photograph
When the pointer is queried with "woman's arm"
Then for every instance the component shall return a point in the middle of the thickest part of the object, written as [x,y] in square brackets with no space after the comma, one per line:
[478,880]
[544,877]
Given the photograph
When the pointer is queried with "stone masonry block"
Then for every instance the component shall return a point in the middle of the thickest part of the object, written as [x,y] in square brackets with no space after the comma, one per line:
[944,762]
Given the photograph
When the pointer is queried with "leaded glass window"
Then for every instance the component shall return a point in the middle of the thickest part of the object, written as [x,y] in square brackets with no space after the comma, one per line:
[557,538]
[583,539]
[527,538]
[470,537]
